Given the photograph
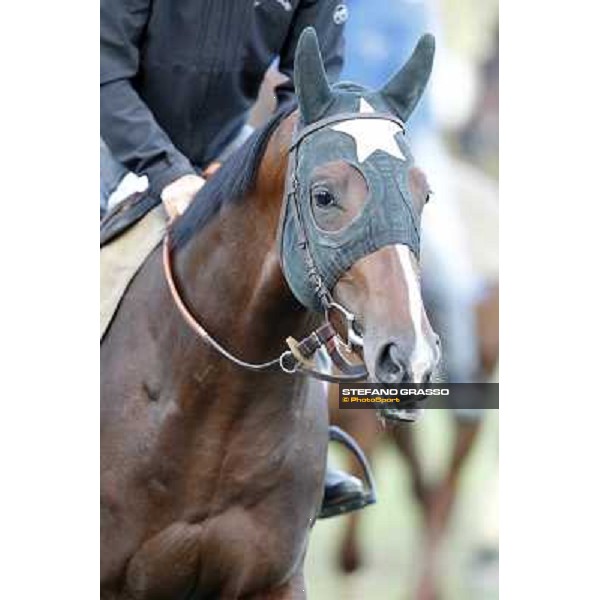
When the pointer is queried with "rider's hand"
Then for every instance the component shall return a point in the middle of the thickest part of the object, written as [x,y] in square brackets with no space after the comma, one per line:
[177,195]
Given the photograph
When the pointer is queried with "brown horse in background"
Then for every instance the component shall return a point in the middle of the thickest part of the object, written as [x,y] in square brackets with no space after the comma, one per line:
[212,474]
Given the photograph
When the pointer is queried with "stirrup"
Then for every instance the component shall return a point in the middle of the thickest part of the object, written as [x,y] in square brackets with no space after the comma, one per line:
[370,495]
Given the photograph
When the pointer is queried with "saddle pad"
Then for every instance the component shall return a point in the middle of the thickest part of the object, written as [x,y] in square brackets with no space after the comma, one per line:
[126,214]
[121,259]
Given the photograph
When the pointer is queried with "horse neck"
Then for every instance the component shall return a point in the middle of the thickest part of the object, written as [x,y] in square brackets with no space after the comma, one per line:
[230,272]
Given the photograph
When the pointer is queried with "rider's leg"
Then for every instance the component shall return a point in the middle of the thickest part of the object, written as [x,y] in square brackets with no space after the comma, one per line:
[111,174]
[116,182]
[340,488]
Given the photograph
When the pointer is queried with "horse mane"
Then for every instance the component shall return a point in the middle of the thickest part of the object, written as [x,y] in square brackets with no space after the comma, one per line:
[233,181]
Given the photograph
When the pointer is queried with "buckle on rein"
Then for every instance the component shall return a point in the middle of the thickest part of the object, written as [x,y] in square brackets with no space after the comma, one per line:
[302,352]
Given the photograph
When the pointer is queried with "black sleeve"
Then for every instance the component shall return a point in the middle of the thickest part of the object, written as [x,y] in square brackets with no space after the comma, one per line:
[327,17]
[127,125]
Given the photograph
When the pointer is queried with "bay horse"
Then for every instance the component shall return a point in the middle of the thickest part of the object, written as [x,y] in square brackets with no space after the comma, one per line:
[212,459]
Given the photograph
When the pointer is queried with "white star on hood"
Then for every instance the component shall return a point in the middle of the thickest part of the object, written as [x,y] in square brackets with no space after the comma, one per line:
[371,134]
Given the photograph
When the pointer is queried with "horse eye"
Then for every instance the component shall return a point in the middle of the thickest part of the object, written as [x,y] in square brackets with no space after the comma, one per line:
[323,198]
[428,197]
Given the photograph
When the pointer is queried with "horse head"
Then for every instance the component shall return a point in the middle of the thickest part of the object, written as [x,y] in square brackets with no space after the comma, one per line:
[350,227]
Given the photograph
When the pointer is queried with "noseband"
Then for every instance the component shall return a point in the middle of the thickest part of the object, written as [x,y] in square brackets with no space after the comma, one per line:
[297,359]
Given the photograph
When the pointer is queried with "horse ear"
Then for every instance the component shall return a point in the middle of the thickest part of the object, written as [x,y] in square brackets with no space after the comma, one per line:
[404,90]
[310,80]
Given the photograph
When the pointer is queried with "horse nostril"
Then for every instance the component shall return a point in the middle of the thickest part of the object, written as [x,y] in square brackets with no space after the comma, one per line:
[389,367]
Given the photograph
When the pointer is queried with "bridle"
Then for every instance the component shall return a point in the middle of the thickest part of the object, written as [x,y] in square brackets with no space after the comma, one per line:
[297,359]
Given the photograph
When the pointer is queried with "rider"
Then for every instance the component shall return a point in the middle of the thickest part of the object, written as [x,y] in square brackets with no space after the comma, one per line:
[176,82]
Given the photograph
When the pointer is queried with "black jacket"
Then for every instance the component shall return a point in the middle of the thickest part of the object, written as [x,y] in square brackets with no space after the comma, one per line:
[177,77]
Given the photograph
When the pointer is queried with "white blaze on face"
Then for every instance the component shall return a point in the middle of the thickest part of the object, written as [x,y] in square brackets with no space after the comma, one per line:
[422,357]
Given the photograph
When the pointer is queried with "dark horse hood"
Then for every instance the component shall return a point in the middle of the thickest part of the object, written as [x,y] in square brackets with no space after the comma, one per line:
[365,129]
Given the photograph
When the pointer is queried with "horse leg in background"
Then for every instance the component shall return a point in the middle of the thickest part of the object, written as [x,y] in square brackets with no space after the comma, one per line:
[404,440]
[488,317]
[435,501]
[363,427]
[439,500]
[366,434]
[467,421]
[443,496]
[467,425]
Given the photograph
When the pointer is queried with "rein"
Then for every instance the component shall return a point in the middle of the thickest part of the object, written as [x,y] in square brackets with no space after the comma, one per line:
[292,361]
[297,358]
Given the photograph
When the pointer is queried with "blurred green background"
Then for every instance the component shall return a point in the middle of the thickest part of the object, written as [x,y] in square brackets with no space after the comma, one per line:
[390,531]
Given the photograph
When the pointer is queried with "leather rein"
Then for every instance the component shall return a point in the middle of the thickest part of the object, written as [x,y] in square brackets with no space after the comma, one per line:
[297,359]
